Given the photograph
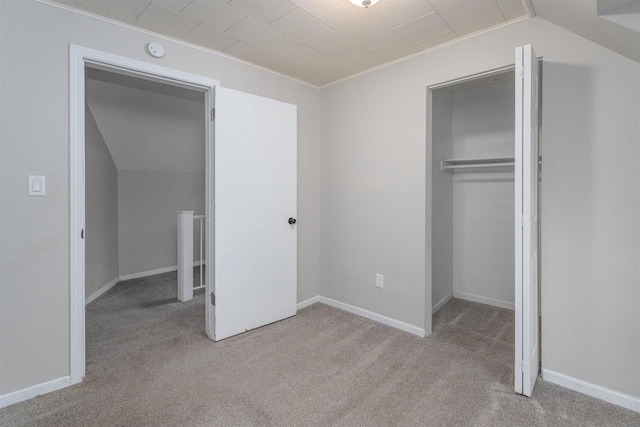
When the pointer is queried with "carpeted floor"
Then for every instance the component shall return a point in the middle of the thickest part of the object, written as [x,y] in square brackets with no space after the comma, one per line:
[149,363]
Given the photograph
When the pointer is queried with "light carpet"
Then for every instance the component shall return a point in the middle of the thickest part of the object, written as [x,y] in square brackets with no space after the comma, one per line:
[150,364]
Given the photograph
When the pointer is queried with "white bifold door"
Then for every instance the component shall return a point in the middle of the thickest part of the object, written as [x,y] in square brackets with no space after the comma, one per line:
[255,213]
[527,358]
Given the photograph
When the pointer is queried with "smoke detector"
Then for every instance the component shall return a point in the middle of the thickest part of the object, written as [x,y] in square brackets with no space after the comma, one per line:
[364,3]
[155,49]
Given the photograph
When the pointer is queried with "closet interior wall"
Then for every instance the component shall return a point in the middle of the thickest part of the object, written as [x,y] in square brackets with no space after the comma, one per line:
[473,209]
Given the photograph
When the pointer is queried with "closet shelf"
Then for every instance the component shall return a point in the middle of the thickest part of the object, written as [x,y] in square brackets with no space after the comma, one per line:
[453,165]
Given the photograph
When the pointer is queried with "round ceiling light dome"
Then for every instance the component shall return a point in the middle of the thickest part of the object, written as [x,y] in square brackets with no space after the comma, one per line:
[364,3]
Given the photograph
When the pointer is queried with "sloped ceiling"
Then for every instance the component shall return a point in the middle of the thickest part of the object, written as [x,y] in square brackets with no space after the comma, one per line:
[581,17]
[148,126]
[621,12]
[316,41]
[608,6]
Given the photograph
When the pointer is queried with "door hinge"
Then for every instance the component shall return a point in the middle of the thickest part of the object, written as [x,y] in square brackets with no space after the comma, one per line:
[82,233]
[522,366]
[522,221]
[213,114]
[213,298]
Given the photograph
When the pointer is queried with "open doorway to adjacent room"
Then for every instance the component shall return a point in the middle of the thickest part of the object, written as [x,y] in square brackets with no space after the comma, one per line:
[140,150]
[154,189]
[144,176]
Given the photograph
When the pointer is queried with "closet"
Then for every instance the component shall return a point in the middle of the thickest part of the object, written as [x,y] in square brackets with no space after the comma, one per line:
[482,203]
[473,191]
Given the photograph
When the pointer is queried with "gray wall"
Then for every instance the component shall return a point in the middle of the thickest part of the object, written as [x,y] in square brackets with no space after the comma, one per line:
[148,126]
[34,311]
[148,202]
[373,186]
[442,187]
[156,135]
[373,194]
[473,230]
[101,210]
[483,202]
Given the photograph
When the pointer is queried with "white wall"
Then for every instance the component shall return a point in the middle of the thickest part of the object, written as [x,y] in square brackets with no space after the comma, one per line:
[35,140]
[373,195]
[442,187]
[148,202]
[101,210]
[483,123]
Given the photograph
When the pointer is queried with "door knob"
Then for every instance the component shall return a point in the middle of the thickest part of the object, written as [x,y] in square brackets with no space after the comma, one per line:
[292,221]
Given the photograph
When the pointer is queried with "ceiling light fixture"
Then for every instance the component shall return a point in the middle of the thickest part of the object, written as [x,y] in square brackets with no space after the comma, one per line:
[364,3]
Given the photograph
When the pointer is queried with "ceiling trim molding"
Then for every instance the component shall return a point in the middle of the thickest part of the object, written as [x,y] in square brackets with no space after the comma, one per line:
[173,40]
[422,52]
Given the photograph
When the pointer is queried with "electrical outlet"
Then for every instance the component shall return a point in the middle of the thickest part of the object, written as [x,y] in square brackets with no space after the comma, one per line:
[379,281]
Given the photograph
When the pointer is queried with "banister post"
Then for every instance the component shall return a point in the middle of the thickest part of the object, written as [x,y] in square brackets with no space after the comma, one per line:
[185,255]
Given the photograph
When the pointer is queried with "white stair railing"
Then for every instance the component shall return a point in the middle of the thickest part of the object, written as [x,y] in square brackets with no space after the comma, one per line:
[185,254]
[201,263]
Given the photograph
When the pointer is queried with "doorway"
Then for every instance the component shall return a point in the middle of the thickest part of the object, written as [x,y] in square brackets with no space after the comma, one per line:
[252,170]
[482,254]
[81,59]
[144,161]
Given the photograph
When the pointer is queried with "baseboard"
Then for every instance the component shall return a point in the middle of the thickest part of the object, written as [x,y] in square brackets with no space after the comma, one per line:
[374,316]
[101,291]
[154,272]
[442,302]
[308,302]
[148,273]
[33,391]
[483,300]
[593,390]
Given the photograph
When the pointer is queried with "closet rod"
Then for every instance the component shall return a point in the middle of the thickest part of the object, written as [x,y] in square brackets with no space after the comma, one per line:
[453,164]
[457,164]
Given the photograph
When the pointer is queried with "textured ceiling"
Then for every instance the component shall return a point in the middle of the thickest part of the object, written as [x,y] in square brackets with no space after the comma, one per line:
[316,41]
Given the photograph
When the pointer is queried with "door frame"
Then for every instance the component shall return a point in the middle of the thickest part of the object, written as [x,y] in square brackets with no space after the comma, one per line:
[80,58]
[429,196]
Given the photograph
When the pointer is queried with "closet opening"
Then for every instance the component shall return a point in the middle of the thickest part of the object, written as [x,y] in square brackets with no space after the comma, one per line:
[474,181]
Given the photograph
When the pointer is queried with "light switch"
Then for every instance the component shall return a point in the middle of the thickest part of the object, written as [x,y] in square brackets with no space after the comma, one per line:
[379,280]
[36,185]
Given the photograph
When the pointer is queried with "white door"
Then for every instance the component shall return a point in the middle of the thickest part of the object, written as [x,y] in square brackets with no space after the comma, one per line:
[255,197]
[526,212]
